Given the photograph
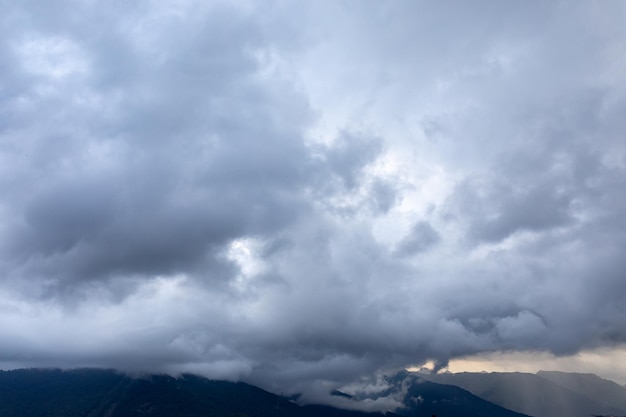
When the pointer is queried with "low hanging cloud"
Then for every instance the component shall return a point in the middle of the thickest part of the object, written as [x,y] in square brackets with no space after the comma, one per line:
[254,193]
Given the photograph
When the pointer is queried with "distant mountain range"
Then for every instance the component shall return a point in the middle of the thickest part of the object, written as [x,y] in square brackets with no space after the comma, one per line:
[425,398]
[604,392]
[545,394]
[106,393]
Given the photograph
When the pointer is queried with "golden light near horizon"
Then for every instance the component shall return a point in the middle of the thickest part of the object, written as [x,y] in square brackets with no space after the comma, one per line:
[608,363]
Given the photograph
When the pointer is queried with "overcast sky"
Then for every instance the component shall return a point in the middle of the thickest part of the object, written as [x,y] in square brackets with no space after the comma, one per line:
[301,194]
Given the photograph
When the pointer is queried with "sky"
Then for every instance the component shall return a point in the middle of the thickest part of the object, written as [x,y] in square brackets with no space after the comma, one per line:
[305,194]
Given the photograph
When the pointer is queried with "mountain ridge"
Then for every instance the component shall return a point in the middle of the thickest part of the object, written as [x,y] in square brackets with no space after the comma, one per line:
[108,393]
[604,391]
[527,393]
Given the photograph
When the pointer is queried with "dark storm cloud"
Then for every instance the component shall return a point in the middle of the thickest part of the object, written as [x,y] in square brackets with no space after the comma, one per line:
[256,193]
[155,157]
[553,193]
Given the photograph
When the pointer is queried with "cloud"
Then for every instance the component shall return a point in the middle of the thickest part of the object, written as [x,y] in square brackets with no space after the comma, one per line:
[256,193]
[421,237]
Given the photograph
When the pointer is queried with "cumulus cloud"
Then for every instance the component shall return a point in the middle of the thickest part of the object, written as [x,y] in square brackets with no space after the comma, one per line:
[257,193]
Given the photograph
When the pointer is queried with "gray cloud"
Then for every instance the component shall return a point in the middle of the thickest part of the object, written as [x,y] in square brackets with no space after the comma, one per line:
[384,196]
[420,238]
[241,191]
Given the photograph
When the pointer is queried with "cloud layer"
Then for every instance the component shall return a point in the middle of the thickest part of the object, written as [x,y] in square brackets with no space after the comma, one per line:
[302,195]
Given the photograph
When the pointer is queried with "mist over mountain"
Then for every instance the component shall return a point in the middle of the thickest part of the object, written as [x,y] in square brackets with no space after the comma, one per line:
[425,398]
[108,393]
[95,393]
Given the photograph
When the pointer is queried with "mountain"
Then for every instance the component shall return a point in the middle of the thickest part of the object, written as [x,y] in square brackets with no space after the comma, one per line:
[424,398]
[526,393]
[106,393]
[603,391]
[56,393]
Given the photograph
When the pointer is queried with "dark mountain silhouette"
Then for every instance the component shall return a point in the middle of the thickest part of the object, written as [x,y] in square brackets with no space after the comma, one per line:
[106,393]
[603,391]
[526,393]
[425,398]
